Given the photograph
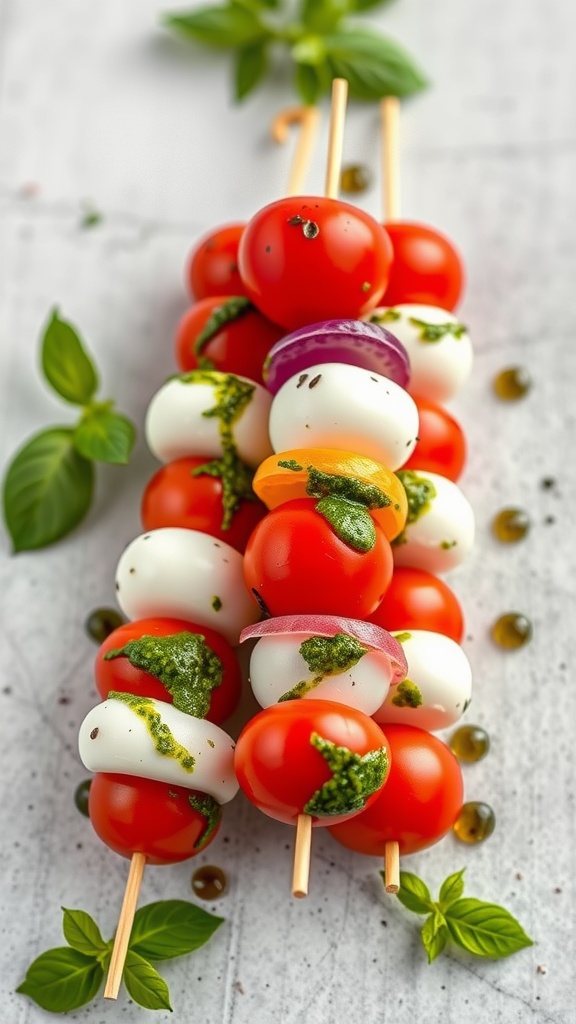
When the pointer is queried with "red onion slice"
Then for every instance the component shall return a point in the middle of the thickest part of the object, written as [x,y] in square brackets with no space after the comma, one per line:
[367,633]
[337,341]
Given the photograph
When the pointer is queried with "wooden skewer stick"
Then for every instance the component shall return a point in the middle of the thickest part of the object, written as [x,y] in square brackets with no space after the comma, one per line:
[391,867]
[124,928]
[390,136]
[336,137]
[302,856]
[308,119]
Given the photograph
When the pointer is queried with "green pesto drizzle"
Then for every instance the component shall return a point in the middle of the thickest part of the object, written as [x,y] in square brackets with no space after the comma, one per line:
[420,492]
[387,317]
[183,662]
[344,501]
[402,637]
[408,695]
[323,485]
[212,812]
[354,778]
[326,656]
[216,603]
[230,310]
[447,544]
[290,464]
[435,332]
[164,742]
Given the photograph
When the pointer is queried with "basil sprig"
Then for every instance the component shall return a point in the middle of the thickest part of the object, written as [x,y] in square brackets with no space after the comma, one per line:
[321,44]
[66,978]
[49,484]
[480,928]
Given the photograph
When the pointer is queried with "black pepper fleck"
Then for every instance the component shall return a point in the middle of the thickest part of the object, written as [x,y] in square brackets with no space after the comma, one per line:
[315,380]
[303,377]
[94,733]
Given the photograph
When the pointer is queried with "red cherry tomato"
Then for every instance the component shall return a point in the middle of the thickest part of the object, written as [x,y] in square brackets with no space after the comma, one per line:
[240,346]
[426,268]
[120,674]
[278,766]
[175,497]
[419,803]
[297,564]
[416,599]
[441,446]
[134,815]
[305,259]
[213,264]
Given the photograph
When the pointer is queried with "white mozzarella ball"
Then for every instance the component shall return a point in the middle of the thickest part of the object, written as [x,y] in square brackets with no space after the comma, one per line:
[440,359]
[178,424]
[440,670]
[154,740]
[345,407]
[442,535]
[185,574]
[277,666]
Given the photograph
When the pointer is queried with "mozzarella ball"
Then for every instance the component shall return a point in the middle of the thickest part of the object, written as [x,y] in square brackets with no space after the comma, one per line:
[154,740]
[180,421]
[334,405]
[442,533]
[438,346]
[185,574]
[277,666]
[440,670]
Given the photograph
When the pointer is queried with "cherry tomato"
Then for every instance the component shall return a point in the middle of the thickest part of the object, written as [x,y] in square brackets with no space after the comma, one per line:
[305,259]
[426,268]
[419,803]
[416,599]
[175,497]
[213,264]
[441,446]
[297,564]
[120,674]
[134,815]
[240,346]
[278,765]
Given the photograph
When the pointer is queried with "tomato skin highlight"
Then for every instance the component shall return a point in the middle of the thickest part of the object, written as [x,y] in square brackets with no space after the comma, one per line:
[239,347]
[298,565]
[175,497]
[134,815]
[212,267]
[441,445]
[418,805]
[339,270]
[416,599]
[119,674]
[279,769]
[426,268]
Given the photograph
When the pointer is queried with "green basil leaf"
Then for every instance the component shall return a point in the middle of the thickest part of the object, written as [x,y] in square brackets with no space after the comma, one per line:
[65,364]
[62,979]
[308,83]
[256,5]
[171,928]
[367,5]
[219,26]
[485,929]
[105,436]
[451,889]
[309,50]
[434,935]
[82,933]
[374,65]
[47,489]
[144,984]
[323,15]
[414,893]
[251,66]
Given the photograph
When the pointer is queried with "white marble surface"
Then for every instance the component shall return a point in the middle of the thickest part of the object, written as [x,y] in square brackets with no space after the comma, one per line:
[97,103]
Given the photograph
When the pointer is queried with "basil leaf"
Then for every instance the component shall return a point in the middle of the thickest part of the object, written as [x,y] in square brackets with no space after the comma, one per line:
[323,15]
[485,929]
[251,66]
[171,928]
[47,489]
[308,83]
[374,65]
[414,893]
[65,364]
[82,933]
[367,5]
[105,436]
[309,50]
[219,26]
[451,889]
[256,5]
[434,935]
[144,984]
[62,979]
